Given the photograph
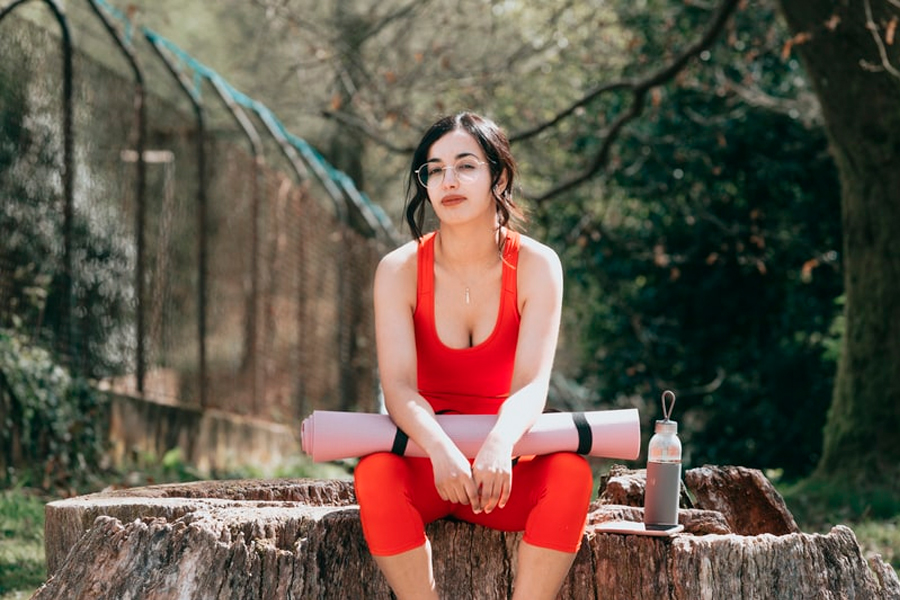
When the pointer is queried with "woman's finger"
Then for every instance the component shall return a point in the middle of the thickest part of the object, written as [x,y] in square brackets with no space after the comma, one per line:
[472,496]
[505,492]
[493,492]
[489,500]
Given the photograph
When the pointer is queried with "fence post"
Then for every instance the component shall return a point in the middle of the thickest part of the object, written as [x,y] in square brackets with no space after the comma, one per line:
[202,242]
[68,175]
[140,197]
[252,346]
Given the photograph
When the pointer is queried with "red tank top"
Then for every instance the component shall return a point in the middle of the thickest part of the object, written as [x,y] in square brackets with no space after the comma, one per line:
[472,380]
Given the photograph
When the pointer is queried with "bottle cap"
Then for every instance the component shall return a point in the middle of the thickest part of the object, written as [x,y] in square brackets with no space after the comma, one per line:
[666,426]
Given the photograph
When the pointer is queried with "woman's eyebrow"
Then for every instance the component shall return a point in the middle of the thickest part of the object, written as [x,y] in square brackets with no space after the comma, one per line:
[458,156]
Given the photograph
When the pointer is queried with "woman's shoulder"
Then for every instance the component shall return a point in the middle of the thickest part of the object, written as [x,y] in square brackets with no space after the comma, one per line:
[399,263]
[534,255]
[402,254]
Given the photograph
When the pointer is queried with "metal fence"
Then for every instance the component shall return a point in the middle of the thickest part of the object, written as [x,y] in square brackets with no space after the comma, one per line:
[166,234]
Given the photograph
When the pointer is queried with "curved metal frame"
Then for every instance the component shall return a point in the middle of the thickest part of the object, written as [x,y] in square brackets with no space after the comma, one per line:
[140,284]
[68,175]
[202,218]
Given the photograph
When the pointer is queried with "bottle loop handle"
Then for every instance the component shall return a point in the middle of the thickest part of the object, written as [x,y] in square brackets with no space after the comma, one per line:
[667,410]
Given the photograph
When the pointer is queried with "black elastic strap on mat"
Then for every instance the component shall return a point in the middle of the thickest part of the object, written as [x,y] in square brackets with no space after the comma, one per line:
[400,441]
[585,436]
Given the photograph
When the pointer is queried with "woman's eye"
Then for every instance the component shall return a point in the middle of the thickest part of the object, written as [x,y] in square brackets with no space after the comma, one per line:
[466,166]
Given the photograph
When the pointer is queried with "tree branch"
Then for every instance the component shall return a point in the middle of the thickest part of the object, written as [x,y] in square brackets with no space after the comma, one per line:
[280,10]
[639,89]
[360,126]
[805,107]
[876,37]
[561,116]
[699,390]
[399,13]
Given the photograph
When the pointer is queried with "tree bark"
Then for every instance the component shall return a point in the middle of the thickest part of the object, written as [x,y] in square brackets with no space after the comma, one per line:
[303,539]
[760,508]
[859,89]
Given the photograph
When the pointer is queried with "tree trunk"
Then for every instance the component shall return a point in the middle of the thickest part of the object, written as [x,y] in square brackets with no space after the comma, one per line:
[303,539]
[860,98]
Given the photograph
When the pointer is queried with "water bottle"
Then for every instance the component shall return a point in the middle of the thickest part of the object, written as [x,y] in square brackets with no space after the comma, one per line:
[663,488]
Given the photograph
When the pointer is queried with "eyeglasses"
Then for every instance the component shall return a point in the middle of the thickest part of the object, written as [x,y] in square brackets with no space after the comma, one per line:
[466,169]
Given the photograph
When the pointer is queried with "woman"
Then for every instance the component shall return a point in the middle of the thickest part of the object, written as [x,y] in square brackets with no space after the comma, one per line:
[467,321]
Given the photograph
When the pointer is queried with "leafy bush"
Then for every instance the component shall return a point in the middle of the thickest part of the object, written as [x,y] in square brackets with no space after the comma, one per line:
[88,311]
[52,431]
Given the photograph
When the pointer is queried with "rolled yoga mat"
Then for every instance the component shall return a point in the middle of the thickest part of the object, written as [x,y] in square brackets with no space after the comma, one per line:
[334,435]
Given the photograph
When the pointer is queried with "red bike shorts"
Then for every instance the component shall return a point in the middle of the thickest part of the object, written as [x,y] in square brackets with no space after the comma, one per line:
[397,498]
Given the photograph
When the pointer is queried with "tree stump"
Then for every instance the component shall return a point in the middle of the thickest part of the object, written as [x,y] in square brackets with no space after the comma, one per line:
[302,539]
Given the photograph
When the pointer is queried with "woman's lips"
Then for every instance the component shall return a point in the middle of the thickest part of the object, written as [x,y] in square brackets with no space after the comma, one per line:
[452,200]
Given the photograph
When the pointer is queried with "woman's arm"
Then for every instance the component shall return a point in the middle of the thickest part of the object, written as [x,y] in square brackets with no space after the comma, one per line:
[540,288]
[395,301]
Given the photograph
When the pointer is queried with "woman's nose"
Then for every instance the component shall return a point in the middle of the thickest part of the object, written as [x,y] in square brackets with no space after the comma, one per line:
[450,181]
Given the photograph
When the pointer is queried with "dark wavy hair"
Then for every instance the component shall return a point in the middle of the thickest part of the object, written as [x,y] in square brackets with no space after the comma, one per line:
[493,142]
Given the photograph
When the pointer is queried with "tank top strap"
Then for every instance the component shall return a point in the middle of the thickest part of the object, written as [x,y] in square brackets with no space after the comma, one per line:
[425,279]
[510,264]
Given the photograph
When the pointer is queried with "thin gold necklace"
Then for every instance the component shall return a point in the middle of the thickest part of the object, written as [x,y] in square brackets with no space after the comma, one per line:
[499,255]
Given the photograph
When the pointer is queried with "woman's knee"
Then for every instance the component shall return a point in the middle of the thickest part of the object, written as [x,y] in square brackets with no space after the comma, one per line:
[373,472]
[571,476]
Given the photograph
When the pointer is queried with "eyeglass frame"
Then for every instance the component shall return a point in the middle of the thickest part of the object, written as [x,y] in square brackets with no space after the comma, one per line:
[443,170]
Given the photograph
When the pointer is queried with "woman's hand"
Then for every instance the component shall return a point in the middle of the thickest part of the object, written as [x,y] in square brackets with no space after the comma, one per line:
[492,472]
[453,477]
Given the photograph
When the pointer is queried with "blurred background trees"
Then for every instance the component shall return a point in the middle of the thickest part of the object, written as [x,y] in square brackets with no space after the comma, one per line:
[704,253]
[713,267]
[852,57]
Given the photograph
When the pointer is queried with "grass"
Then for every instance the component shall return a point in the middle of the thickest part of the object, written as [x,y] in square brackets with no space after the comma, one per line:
[880,537]
[22,568]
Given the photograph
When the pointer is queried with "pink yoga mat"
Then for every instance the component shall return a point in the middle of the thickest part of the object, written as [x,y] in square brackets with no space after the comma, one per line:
[333,435]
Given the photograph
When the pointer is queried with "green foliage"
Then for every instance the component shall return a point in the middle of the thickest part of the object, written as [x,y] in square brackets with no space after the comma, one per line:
[832,343]
[149,469]
[880,536]
[294,467]
[22,567]
[710,266]
[172,468]
[870,509]
[93,322]
[52,422]
[301,466]
[820,500]
[29,220]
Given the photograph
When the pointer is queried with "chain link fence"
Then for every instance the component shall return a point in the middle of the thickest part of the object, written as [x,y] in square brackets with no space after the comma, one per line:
[165,235]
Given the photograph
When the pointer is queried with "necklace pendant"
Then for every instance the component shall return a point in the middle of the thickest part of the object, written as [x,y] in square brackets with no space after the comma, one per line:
[467,295]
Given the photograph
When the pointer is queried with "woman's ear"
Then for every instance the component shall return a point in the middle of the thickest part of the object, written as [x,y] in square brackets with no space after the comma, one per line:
[500,186]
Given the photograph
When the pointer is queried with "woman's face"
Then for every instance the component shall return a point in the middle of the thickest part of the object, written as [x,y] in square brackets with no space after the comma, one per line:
[458,179]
